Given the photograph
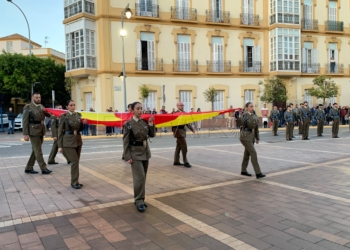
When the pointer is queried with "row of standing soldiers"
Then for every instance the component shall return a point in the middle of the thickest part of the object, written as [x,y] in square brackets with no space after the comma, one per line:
[303,117]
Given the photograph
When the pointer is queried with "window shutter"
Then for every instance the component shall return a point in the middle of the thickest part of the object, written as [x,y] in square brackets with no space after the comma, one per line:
[179,9]
[188,56]
[250,7]
[138,10]
[336,61]
[308,16]
[151,59]
[314,62]
[221,57]
[139,53]
[245,58]
[219,101]
[215,57]
[186,99]
[88,101]
[213,9]
[332,14]
[256,61]
[154,8]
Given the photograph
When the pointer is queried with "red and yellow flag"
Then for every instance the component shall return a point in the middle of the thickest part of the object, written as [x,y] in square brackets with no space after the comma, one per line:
[160,120]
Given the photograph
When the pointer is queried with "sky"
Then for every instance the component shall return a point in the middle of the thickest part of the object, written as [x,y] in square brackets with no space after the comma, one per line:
[45,19]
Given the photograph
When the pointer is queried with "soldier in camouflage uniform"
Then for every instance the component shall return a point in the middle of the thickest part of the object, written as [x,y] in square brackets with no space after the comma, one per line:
[300,120]
[275,118]
[320,118]
[289,117]
[334,114]
[305,117]
[249,135]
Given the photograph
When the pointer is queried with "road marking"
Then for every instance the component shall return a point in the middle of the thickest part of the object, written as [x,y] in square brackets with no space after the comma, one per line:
[311,150]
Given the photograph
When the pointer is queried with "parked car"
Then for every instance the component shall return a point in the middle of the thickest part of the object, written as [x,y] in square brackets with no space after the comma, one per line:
[5,120]
[18,121]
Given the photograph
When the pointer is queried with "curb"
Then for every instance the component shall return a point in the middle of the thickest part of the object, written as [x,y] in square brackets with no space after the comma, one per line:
[197,132]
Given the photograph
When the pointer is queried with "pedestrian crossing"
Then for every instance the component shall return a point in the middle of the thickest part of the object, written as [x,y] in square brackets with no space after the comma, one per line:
[10,144]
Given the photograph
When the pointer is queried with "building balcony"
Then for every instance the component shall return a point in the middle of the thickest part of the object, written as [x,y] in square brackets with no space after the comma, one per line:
[309,24]
[142,64]
[310,68]
[249,19]
[79,63]
[249,67]
[284,18]
[147,10]
[334,68]
[334,26]
[185,66]
[219,66]
[285,66]
[183,14]
[79,7]
[216,16]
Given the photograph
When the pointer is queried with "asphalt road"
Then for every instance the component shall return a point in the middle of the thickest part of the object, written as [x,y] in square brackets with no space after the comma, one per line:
[17,148]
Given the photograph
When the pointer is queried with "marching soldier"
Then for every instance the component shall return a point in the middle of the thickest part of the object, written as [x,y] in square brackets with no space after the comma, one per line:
[248,136]
[300,120]
[137,151]
[54,135]
[320,118]
[305,114]
[295,116]
[334,114]
[69,140]
[275,118]
[181,145]
[289,117]
[34,129]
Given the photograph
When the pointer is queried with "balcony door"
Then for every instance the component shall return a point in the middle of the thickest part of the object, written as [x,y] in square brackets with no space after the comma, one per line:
[88,101]
[248,12]
[333,55]
[248,96]
[184,52]
[182,9]
[251,56]
[147,7]
[308,23]
[217,54]
[216,10]
[146,52]
[309,58]
[150,101]
[185,96]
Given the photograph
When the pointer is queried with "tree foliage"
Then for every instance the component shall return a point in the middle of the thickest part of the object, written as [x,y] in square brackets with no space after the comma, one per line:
[210,96]
[145,90]
[324,87]
[274,90]
[18,72]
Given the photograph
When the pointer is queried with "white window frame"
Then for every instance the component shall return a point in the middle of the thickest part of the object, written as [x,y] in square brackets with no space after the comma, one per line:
[216,10]
[184,54]
[9,46]
[217,50]
[88,101]
[332,100]
[74,7]
[185,96]
[285,11]
[249,96]
[150,101]
[308,97]
[182,9]
[248,12]
[218,103]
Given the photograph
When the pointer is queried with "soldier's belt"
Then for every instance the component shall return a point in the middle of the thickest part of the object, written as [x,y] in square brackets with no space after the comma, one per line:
[36,122]
[136,143]
[248,130]
[179,127]
[71,133]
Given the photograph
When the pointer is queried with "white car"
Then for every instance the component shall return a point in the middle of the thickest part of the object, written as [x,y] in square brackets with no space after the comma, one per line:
[18,121]
[5,120]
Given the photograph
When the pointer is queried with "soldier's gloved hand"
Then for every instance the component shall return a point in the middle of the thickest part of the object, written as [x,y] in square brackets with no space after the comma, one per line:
[26,138]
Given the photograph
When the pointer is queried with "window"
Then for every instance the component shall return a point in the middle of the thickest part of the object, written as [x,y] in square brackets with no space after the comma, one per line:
[186,99]
[9,47]
[308,23]
[248,12]
[332,100]
[219,100]
[146,51]
[182,9]
[333,58]
[77,52]
[216,10]
[248,96]
[217,54]
[332,11]
[147,8]
[73,7]
[184,52]
[251,54]
[309,59]
[287,11]
[88,101]
[308,97]
[150,101]
[284,48]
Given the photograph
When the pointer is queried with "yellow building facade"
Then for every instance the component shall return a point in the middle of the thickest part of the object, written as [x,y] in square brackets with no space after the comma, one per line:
[180,48]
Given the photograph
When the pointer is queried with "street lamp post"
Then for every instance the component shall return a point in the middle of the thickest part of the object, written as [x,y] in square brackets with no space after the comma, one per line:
[33,85]
[30,46]
[127,12]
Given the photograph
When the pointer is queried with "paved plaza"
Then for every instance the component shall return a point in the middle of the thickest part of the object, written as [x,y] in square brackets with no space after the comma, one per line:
[304,203]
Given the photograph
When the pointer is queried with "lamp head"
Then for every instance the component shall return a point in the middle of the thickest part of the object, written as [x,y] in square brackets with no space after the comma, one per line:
[123,33]
[121,76]
[128,13]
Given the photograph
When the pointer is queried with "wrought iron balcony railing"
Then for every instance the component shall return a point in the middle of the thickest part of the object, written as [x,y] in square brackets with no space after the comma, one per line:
[309,24]
[334,25]
[184,13]
[250,66]
[216,16]
[148,65]
[310,68]
[185,66]
[249,19]
[219,66]
[147,10]
[334,68]
[285,65]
